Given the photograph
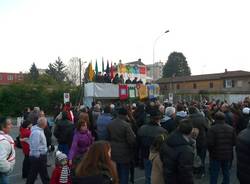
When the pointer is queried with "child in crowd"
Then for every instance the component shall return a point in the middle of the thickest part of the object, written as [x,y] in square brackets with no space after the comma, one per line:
[61,173]
[154,156]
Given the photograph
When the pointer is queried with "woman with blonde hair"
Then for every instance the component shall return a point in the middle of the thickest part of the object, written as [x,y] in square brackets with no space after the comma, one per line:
[97,166]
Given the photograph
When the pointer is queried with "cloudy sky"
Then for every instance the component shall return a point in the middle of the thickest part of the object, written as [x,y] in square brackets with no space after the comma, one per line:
[212,34]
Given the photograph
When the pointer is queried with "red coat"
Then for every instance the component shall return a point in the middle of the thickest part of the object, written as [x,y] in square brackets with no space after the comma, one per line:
[25,133]
[55,178]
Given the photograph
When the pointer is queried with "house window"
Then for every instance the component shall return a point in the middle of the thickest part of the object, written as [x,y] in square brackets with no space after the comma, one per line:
[211,85]
[1,78]
[228,83]
[194,86]
[10,77]
[240,84]
[178,86]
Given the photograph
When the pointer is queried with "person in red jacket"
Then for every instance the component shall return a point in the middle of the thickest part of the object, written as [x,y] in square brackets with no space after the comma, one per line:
[24,139]
[61,173]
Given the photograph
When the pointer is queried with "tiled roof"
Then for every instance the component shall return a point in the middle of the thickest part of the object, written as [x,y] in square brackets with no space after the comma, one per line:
[215,76]
[136,63]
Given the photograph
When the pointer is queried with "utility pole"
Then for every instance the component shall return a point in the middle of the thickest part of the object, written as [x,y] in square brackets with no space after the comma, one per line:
[80,64]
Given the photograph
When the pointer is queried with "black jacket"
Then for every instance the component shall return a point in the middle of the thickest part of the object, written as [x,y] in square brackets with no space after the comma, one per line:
[177,156]
[64,131]
[146,135]
[122,140]
[221,138]
[243,155]
[200,122]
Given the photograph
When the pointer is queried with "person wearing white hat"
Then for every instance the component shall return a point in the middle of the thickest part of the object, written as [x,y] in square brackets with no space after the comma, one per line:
[242,124]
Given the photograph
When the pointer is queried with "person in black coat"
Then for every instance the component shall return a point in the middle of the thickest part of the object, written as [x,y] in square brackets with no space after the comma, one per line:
[177,155]
[64,131]
[146,135]
[201,123]
[243,156]
[221,138]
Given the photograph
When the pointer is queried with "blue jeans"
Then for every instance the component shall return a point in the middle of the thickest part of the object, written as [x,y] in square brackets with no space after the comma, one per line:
[4,179]
[215,166]
[123,172]
[64,148]
[148,169]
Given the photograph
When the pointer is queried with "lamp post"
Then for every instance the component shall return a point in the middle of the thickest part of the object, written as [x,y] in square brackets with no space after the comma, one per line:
[154,51]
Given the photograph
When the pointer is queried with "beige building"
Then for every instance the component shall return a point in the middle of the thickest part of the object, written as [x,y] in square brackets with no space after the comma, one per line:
[230,85]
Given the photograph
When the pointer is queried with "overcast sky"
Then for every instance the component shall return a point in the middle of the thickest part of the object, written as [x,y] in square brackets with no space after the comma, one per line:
[212,34]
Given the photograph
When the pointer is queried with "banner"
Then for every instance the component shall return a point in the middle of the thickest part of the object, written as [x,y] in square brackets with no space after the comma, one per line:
[132,92]
[151,91]
[123,92]
[143,92]
[66,97]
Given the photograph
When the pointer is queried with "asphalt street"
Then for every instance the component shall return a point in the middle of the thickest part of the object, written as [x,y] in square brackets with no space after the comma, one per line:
[16,176]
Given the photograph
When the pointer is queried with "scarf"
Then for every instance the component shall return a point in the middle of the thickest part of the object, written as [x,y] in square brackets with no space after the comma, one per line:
[65,172]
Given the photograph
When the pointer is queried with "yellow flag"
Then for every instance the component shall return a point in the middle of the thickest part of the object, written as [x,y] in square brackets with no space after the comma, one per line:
[91,72]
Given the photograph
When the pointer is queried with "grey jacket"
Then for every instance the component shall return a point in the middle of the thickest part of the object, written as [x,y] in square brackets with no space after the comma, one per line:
[122,139]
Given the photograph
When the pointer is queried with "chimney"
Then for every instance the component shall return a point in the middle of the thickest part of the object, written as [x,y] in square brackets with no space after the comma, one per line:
[225,70]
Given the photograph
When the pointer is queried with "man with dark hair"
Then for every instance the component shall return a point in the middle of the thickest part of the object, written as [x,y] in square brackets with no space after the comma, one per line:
[122,140]
[220,141]
[102,122]
[7,151]
[146,135]
[64,131]
[177,155]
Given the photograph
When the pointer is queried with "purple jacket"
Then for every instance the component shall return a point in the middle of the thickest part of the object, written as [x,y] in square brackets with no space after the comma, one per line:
[80,144]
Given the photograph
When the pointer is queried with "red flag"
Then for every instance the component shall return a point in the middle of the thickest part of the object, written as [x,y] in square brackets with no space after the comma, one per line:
[111,71]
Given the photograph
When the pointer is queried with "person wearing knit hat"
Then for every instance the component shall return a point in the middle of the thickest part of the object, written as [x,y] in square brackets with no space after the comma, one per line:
[61,173]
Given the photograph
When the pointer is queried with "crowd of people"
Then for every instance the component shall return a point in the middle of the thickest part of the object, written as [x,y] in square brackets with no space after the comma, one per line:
[105,143]
[105,78]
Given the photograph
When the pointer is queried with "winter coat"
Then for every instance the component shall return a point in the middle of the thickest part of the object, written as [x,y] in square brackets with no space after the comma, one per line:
[7,153]
[243,158]
[102,122]
[146,135]
[157,170]
[221,138]
[80,144]
[243,122]
[169,124]
[38,143]
[122,140]
[177,156]
[25,133]
[55,178]
[200,122]
[64,131]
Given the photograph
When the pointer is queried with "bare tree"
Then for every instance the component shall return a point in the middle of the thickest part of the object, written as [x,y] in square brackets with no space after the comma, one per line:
[73,71]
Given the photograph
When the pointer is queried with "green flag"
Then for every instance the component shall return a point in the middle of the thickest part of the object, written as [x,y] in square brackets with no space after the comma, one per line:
[96,68]
[102,65]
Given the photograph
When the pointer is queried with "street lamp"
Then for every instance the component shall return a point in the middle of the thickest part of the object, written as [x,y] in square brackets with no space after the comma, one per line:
[154,51]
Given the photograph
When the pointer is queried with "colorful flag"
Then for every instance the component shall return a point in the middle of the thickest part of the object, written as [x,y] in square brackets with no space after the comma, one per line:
[96,68]
[107,67]
[102,65]
[91,72]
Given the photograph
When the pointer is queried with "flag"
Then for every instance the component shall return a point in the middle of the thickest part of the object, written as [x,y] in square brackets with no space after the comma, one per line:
[102,65]
[91,71]
[111,71]
[107,67]
[96,68]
